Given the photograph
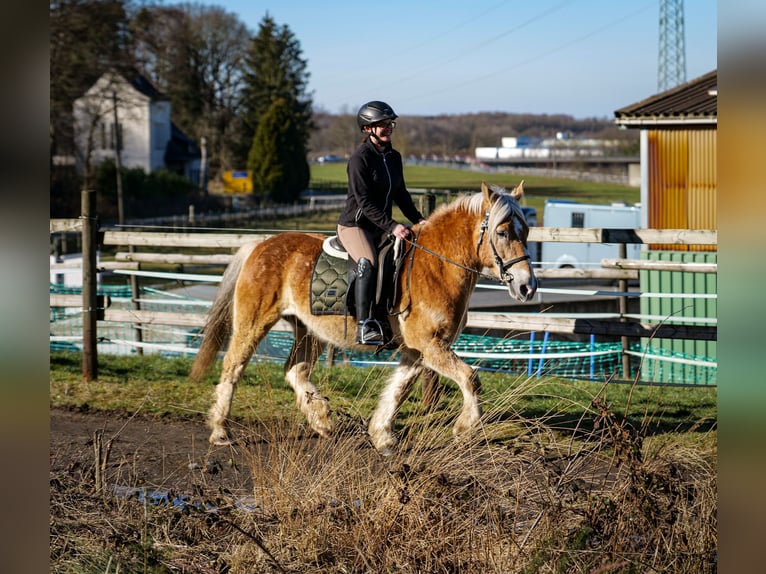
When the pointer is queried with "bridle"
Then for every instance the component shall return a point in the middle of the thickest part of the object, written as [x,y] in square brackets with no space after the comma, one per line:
[503,267]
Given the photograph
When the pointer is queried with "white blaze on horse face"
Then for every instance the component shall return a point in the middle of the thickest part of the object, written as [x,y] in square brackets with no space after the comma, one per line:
[522,283]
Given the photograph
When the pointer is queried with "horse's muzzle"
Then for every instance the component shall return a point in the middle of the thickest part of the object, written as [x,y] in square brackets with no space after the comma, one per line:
[522,284]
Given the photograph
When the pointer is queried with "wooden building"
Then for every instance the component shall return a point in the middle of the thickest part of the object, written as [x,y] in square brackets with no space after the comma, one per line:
[678,191]
[678,156]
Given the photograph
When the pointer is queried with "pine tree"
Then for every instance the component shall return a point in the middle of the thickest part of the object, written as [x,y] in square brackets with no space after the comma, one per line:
[275,86]
[277,158]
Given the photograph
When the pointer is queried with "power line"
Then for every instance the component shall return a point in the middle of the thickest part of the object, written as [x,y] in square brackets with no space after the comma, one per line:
[451,30]
[539,56]
[464,53]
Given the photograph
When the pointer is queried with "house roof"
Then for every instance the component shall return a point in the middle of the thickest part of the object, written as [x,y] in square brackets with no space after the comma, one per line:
[143,85]
[695,102]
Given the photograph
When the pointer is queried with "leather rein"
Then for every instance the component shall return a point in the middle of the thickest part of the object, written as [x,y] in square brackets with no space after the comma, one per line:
[503,267]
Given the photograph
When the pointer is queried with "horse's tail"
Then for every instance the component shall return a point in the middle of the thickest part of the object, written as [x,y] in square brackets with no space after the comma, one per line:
[219,321]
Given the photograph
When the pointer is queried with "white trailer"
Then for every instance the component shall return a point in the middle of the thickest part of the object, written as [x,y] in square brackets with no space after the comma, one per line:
[558,213]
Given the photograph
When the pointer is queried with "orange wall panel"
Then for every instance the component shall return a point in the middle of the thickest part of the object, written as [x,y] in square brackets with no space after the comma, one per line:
[682,181]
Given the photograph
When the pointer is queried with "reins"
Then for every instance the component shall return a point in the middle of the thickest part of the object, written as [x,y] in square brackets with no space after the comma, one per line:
[414,243]
[502,266]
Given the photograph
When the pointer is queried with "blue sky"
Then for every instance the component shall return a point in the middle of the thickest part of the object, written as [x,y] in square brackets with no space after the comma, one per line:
[585,58]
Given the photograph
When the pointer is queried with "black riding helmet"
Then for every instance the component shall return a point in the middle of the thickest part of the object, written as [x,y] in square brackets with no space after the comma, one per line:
[374,112]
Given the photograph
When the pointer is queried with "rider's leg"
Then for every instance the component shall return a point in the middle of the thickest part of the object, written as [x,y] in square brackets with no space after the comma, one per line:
[368,329]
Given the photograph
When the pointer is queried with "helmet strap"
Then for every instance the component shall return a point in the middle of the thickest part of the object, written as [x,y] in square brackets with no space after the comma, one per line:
[377,141]
[375,137]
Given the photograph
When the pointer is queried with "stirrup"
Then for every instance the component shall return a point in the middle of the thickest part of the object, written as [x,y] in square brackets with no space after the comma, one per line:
[369,332]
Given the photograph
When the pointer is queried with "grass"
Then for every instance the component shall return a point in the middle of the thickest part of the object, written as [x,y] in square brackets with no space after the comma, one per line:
[562,476]
[159,385]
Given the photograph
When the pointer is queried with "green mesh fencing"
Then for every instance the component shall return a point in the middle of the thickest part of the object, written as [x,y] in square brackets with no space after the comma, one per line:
[534,355]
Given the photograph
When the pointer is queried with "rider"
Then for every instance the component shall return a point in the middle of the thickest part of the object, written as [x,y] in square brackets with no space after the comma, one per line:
[375,183]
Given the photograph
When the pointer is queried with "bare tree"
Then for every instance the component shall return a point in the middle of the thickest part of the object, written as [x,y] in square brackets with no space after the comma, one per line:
[86,38]
[194,54]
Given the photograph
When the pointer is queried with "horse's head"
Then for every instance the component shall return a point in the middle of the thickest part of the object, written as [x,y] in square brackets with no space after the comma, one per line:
[505,232]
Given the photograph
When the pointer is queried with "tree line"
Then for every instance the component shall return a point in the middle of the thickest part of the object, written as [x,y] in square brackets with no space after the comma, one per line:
[245,92]
[458,135]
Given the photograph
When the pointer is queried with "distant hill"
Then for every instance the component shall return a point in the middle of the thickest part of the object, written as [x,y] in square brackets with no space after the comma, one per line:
[459,135]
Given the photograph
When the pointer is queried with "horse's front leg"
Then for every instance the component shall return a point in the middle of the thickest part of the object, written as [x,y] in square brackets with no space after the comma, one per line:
[397,388]
[445,362]
[304,354]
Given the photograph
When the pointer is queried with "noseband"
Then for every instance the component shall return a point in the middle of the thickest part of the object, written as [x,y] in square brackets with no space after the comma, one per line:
[503,267]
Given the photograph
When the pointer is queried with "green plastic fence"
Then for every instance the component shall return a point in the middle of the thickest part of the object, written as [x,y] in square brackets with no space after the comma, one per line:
[591,360]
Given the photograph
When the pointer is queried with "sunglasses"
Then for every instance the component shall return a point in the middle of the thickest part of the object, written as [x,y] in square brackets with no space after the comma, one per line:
[386,125]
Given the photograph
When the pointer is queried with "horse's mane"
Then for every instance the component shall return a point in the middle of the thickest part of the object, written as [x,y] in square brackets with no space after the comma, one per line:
[473,204]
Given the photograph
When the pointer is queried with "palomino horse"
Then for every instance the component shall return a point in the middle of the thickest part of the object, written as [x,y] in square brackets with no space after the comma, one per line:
[270,280]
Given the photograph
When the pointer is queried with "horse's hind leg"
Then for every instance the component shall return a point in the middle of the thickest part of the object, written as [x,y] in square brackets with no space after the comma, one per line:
[398,387]
[244,341]
[304,354]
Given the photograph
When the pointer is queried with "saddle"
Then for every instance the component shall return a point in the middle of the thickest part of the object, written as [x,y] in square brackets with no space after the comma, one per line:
[332,284]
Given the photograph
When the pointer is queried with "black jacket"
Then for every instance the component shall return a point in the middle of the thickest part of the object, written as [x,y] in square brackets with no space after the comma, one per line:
[375,183]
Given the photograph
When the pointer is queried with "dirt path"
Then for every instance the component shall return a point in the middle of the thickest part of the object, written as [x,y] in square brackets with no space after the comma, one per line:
[150,451]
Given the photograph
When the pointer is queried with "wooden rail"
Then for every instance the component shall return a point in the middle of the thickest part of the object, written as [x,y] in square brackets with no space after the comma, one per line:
[188,240]
[640,236]
[511,322]
[611,269]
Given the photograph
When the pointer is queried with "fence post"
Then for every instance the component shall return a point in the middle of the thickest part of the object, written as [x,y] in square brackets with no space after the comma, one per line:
[330,358]
[135,295]
[430,203]
[622,286]
[89,293]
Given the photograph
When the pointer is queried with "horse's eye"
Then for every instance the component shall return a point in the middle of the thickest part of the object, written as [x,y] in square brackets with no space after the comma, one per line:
[502,233]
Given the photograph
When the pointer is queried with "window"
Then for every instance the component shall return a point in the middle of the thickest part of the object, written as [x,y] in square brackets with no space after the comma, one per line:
[107,135]
[578,219]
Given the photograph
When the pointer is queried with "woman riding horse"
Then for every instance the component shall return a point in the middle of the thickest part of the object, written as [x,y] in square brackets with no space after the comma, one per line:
[375,183]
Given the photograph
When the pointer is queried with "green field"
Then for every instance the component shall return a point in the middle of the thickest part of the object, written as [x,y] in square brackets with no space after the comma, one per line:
[537,189]
[561,476]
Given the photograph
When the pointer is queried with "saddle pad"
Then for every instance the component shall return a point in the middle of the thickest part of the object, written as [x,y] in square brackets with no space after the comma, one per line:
[329,282]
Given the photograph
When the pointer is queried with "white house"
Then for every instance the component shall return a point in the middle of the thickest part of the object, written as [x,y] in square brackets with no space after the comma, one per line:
[149,139]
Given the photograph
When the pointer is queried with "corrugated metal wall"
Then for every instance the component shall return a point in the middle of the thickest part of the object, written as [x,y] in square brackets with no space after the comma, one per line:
[686,283]
[682,182]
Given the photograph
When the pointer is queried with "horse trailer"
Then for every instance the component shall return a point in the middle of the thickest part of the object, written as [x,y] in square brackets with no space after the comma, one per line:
[559,213]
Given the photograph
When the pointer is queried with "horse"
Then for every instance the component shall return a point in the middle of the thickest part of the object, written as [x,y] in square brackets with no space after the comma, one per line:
[270,280]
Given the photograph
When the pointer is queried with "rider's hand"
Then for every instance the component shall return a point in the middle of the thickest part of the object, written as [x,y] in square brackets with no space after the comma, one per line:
[401,231]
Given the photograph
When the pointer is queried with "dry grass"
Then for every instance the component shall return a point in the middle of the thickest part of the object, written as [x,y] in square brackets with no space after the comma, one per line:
[522,495]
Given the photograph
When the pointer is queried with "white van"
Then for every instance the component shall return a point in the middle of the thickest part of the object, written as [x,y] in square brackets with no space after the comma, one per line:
[558,213]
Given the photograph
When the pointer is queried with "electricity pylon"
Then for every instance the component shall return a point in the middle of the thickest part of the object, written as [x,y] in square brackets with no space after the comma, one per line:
[671,69]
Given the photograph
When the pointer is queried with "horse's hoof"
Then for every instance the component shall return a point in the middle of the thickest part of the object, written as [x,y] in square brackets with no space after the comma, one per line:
[386,452]
[221,440]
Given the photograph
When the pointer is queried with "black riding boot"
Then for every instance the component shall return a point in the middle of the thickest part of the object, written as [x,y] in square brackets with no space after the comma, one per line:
[368,331]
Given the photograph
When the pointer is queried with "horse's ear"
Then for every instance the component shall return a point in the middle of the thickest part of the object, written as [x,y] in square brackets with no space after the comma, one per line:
[487,193]
[518,191]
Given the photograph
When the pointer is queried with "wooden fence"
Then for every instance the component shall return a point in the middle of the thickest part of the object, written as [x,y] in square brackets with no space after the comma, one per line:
[175,247]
